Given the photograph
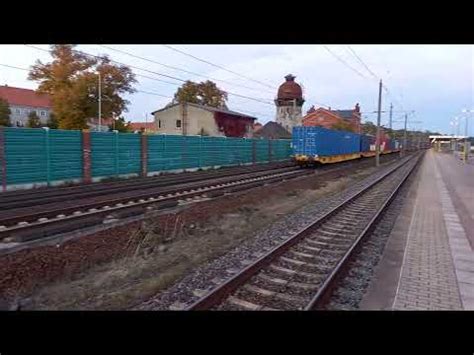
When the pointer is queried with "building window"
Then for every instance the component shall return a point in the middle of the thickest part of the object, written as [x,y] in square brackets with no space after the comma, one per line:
[43,113]
[159,123]
[178,123]
[18,111]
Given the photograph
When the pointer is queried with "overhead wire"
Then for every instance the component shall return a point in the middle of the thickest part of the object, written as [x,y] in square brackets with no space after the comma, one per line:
[218,66]
[261,100]
[180,69]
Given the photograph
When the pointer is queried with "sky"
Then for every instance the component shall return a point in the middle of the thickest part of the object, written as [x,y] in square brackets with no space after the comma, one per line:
[434,81]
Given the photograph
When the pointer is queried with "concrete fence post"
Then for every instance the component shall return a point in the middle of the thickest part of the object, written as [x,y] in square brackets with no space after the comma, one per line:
[3,160]
[116,151]
[86,157]
[144,154]
[48,155]
[254,151]
[269,150]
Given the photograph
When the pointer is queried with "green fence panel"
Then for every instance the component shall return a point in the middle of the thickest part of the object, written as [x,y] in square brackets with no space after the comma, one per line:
[281,149]
[129,153]
[39,155]
[25,155]
[167,152]
[104,157]
[191,152]
[65,149]
[261,148]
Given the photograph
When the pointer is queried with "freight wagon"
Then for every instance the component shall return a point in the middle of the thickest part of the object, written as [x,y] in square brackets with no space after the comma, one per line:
[322,145]
[367,145]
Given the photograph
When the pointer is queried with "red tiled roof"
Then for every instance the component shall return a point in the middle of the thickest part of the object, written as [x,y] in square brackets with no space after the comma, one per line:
[139,125]
[105,121]
[24,97]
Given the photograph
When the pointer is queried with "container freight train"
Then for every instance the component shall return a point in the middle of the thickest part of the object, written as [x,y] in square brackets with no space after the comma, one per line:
[321,145]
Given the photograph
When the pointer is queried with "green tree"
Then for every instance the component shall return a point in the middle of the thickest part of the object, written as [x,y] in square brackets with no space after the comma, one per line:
[52,121]
[5,113]
[72,78]
[369,128]
[120,125]
[33,120]
[343,125]
[204,93]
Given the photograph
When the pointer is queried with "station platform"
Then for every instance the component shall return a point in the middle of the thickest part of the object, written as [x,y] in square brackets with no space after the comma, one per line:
[428,262]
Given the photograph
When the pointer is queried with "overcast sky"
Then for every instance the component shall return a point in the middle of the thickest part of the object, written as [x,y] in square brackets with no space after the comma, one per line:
[435,81]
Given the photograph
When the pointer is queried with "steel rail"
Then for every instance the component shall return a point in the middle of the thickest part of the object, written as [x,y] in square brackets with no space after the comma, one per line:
[42,196]
[136,204]
[220,293]
[325,291]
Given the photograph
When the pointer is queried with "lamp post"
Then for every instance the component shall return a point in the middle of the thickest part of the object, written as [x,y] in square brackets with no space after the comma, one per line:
[466,145]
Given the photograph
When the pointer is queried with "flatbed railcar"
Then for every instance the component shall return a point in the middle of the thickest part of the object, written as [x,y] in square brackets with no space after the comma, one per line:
[318,145]
[313,145]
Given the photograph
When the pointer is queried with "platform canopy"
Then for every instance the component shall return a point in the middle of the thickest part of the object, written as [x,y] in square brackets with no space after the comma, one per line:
[446,138]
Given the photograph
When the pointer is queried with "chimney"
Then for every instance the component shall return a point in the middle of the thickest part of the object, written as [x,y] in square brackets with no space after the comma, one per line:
[357,108]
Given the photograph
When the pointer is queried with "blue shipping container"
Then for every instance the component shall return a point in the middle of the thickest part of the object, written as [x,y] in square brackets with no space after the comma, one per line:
[365,142]
[319,141]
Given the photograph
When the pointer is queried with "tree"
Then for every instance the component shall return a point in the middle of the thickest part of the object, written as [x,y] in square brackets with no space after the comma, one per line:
[52,121]
[343,125]
[5,113]
[33,120]
[120,125]
[204,93]
[369,128]
[71,80]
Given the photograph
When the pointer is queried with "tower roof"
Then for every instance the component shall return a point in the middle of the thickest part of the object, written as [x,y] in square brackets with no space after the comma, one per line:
[290,90]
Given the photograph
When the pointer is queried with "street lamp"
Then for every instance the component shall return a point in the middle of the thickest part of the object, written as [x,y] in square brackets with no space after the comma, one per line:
[468,112]
[466,145]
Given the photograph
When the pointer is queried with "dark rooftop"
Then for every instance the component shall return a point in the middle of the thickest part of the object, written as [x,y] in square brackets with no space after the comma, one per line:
[272,130]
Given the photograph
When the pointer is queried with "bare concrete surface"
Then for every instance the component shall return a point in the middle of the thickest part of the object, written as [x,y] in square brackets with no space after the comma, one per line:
[428,263]
[459,180]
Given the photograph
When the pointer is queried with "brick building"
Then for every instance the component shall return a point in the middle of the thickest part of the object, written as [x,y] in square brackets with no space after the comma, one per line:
[24,101]
[328,118]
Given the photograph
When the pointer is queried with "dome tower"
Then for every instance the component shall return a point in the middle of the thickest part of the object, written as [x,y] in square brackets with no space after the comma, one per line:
[289,103]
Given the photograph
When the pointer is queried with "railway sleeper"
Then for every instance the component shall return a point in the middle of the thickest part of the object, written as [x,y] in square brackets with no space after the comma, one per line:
[237,304]
[321,244]
[330,239]
[288,283]
[277,268]
[262,292]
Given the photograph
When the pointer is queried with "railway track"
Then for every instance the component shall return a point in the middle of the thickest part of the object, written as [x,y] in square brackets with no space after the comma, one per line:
[34,222]
[300,273]
[47,213]
[25,198]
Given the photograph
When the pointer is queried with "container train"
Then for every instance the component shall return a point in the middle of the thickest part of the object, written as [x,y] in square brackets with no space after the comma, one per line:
[321,145]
